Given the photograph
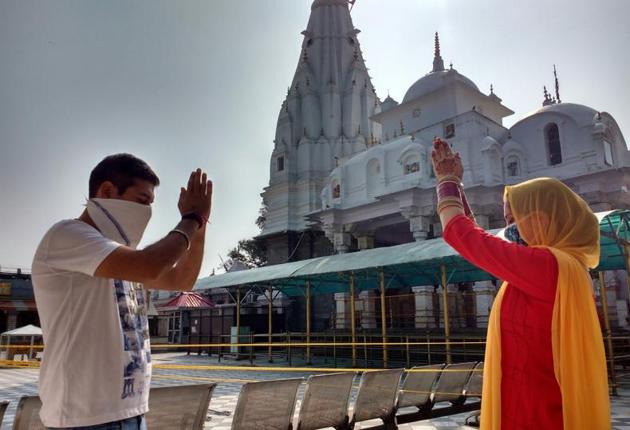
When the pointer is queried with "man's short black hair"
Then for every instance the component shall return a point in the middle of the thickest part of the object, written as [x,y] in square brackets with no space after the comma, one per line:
[121,170]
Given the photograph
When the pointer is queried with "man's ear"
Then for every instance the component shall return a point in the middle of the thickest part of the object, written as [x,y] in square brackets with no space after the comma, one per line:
[107,190]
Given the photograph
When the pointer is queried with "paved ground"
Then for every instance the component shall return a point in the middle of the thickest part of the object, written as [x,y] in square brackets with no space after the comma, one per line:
[15,383]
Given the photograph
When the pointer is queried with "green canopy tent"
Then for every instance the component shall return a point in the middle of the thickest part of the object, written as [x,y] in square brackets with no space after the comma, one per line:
[429,262]
[417,263]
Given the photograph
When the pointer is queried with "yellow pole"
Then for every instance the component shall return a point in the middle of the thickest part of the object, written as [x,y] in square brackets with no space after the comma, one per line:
[270,321]
[383,317]
[447,328]
[238,320]
[308,322]
[238,313]
[352,322]
[607,332]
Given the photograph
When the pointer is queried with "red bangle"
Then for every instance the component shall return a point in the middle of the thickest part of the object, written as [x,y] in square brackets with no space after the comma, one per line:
[448,189]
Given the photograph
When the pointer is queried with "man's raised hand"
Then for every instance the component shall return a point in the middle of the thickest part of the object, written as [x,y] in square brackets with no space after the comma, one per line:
[197,196]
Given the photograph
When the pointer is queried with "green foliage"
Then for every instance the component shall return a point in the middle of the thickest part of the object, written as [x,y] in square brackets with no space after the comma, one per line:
[250,251]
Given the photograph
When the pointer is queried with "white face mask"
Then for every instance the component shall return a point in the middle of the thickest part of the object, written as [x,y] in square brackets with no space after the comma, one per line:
[120,220]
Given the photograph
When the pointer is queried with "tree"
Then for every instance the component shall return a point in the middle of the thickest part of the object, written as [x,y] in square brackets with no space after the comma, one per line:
[262,216]
[252,252]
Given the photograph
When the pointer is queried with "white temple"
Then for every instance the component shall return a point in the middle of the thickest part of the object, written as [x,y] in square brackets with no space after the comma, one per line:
[324,118]
[349,172]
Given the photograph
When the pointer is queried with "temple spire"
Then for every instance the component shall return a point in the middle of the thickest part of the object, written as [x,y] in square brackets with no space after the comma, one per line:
[555,75]
[438,63]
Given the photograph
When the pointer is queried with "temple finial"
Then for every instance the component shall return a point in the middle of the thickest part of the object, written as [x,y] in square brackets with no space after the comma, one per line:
[437,44]
[555,75]
[491,89]
[547,100]
[438,63]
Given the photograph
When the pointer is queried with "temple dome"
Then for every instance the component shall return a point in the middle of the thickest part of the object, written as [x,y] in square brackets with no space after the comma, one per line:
[434,81]
[581,114]
[388,103]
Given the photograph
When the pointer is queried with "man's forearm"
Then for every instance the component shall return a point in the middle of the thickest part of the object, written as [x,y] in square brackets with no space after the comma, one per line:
[152,262]
[184,274]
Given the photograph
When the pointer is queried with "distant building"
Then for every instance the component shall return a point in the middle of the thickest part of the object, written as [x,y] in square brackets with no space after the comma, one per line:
[17,304]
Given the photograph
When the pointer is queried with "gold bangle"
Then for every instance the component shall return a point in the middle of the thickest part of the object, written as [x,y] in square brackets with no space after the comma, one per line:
[448,181]
[450,178]
[450,203]
[450,199]
[441,207]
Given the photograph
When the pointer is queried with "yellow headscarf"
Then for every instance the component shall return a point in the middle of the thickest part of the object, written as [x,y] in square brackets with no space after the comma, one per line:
[549,215]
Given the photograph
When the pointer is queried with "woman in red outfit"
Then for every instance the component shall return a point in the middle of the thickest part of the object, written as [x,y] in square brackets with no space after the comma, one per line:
[545,365]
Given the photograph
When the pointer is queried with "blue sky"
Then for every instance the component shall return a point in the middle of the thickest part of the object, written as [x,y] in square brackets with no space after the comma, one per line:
[186,84]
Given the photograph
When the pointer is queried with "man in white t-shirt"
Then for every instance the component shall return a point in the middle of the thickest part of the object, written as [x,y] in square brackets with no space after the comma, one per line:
[87,277]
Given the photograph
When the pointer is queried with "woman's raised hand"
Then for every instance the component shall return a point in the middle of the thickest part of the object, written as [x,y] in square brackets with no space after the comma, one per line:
[445,162]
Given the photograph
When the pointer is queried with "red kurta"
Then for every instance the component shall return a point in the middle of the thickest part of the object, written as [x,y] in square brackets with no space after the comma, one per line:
[530,394]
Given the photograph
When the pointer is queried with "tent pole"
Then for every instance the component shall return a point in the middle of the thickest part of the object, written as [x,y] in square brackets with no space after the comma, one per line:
[627,249]
[180,334]
[270,322]
[352,322]
[238,321]
[608,340]
[383,317]
[447,328]
[308,322]
[238,311]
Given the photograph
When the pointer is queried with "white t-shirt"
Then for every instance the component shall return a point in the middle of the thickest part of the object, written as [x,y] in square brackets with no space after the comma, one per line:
[97,361]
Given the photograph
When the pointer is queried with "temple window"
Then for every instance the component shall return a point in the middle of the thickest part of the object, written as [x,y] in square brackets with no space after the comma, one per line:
[412,168]
[552,138]
[411,164]
[336,190]
[449,130]
[513,168]
[280,163]
[608,156]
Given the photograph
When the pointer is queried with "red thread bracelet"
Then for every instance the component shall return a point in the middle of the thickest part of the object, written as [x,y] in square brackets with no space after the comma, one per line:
[201,220]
